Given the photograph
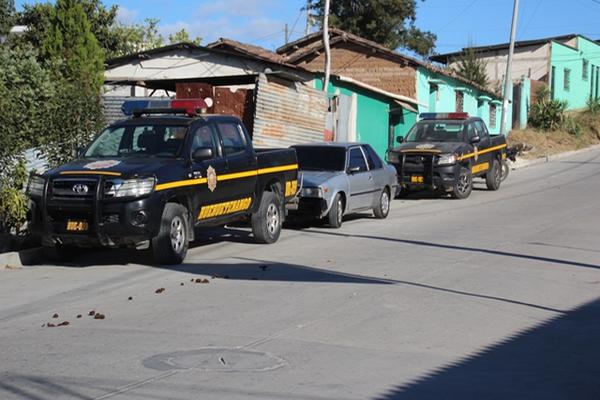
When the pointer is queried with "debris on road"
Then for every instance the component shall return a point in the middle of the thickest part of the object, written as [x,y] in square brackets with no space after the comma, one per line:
[55,315]
[199,280]
[160,290]
[64,323]
[130,298]
[99,316]
[50,325]
[78,315]
[92,313]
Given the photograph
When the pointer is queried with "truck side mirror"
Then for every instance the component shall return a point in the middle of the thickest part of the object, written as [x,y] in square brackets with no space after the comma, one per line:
[202,154]
[475,139]
[77,152]
[399,139]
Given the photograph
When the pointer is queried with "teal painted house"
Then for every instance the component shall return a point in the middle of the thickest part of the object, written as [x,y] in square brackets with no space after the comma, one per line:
[568,64]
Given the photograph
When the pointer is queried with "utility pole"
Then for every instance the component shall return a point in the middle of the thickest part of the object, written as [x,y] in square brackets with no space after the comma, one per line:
[287,34]
[327,48]
[508,79]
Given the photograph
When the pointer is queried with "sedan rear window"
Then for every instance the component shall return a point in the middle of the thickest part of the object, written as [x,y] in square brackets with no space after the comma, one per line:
[321,158]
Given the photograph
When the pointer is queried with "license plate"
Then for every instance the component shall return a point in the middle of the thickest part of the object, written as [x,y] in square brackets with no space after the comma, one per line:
[416,179]
[77,225]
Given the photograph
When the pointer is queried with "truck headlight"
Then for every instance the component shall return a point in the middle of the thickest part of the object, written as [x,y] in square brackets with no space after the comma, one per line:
[35,186]
[393,157]
[129,187]
[311,192]
[447,159]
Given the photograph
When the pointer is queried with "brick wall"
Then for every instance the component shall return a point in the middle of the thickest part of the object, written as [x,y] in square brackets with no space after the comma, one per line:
[363,65]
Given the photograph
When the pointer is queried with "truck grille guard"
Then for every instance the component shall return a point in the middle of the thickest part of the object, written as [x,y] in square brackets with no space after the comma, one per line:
[428,161]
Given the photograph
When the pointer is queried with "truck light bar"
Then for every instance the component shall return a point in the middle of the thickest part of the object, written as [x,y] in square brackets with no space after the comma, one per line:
[455,115]
[191,107]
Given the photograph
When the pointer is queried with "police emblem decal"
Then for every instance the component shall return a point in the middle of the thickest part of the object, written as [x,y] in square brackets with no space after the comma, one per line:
[211,178]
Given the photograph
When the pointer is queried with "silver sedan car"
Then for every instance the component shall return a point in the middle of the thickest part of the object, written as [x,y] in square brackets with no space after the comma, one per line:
[342,178]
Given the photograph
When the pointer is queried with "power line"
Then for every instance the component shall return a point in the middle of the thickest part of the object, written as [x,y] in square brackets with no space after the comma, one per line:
[464,10]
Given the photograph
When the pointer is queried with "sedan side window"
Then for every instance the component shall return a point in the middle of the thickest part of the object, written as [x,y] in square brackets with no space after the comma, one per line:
[204,137]
[357,160]
[372,157]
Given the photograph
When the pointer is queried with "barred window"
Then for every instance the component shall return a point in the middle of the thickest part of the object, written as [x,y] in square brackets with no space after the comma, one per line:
[492,115]
[584,71]
[460,101]
[567,82]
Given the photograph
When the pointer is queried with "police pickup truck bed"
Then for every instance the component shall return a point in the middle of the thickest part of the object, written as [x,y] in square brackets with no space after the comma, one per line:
[445,151]
[149,180]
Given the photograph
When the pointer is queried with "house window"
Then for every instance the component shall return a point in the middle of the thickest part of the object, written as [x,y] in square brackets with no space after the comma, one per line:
[492,116]
[584,71]
[567,81]
[460,100]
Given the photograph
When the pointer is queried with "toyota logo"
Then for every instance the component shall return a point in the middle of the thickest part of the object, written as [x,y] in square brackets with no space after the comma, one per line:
[80,188]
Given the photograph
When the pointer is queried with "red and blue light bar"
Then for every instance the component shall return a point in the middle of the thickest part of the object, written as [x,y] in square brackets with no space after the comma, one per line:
[191,107]
[455,115]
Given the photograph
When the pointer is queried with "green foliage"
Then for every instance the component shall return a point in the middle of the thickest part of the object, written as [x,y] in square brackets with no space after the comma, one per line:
[593,106]
[388,22]
[136,37]
[183,36]
[572,126]
[26,95]
[547,114]
[472,68]
[71,46]
[13,202]
[76,115]
[7,15]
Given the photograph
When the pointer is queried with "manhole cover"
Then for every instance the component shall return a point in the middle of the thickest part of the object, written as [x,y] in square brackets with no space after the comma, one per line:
[215,359]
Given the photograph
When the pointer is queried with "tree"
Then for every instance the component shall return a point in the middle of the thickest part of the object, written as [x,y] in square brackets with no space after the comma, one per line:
[472,67]
[137,37]
[183,36]
[388,22]
[7,15]
[72,47]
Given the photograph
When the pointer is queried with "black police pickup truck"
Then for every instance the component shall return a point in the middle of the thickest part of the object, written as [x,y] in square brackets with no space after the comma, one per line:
[444,151]
[149,180]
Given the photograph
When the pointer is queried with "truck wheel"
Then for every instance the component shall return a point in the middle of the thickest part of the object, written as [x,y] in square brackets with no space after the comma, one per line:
[382,209]
[464,184]
[170,246]
[266,222]
[58,253]
[494,176]
[505,169]
[336,213]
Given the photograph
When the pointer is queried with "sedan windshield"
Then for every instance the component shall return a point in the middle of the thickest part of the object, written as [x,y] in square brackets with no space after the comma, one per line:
[437,131]
[321,158]
[138,141]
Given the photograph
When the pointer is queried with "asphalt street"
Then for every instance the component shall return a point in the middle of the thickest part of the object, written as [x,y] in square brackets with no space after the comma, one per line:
[493,297]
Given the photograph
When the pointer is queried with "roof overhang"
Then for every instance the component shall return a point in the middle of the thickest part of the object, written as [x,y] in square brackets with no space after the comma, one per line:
[382,92]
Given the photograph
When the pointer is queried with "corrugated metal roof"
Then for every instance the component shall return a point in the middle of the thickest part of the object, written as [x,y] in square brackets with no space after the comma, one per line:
[287,113]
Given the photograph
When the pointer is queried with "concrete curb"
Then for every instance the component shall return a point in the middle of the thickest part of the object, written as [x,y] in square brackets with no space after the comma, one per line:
[17,259]
[521,163]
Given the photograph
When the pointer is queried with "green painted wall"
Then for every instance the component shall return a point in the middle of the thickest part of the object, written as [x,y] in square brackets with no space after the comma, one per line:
[580,87]
[443,99]
[372,115]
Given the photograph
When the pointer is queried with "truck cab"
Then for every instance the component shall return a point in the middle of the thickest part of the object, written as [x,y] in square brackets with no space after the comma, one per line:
[445,151]
[147,181]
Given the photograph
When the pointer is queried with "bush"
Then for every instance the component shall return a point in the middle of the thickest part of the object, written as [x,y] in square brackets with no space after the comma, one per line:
[13,202]
[593,106]
[572,126]
[547,114]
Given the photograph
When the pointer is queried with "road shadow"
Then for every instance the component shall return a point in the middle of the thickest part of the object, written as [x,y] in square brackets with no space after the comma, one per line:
[462,248]
[89,257]
[558,359]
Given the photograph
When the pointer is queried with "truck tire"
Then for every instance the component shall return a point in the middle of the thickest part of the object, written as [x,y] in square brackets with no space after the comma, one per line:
[382,209]
[266,222]
[336,212]
[170,246]
[494,176]
[464,184]
[58,254]
[505,169]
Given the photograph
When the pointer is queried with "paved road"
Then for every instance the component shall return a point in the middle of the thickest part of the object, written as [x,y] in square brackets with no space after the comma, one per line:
[495,297]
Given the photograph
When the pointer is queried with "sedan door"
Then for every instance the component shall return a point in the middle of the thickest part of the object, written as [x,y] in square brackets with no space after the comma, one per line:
[380,176]
[360,180]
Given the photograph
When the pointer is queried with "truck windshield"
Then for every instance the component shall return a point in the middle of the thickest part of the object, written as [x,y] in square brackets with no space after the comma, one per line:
[138,141]
[321,158]
[437,131]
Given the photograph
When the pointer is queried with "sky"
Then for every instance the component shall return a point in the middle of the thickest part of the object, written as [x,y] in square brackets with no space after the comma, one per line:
[455,22]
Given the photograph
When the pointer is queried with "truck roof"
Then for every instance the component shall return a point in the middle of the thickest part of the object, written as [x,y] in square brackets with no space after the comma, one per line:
[167,119]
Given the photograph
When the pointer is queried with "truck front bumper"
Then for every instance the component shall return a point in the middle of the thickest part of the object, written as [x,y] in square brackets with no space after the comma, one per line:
[427,175]
[95,221]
